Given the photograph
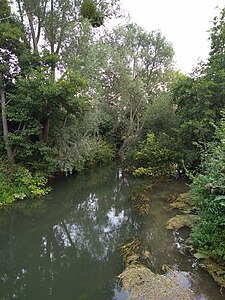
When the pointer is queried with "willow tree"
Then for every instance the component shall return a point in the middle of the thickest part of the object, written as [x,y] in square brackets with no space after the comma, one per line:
[128,69]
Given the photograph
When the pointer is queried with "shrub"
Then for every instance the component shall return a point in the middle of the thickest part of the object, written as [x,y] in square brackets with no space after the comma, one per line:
[208,190]
[154,156]
[100,152]
[17,182]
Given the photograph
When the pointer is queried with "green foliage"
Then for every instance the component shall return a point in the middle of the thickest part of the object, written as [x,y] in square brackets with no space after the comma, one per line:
[215,71]
[100,152]
[17,183]
[155,156]
[5,9]
[89,11]
[143,171]
[208,190]
[161,116]
[39,98]
[83,151]
[192,97]
[200,98]
[43,158]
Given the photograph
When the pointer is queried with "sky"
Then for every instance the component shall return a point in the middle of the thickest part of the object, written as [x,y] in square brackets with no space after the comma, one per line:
[185,23]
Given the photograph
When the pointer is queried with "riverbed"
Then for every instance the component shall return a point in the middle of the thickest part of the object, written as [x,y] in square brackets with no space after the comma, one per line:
[67,244]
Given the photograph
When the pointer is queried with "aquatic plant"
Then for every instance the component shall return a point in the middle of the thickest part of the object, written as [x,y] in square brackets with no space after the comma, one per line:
[142,205]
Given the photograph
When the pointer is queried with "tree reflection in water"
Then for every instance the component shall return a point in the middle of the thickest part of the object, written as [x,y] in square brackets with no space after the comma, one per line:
[71,250]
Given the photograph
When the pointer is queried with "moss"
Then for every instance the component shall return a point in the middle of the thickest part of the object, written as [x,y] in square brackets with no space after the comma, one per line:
[142,283]
[183,202]
[180,221]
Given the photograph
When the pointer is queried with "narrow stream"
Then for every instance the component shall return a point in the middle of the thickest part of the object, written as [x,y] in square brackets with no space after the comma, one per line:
[66,246]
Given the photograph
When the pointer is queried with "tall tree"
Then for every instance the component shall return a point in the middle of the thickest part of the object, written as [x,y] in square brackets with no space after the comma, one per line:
[50,25]
[146,54]
[11,47]
[128,69]
[215,71]
[200,98]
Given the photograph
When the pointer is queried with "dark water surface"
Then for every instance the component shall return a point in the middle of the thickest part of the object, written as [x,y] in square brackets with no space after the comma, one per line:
[66,246]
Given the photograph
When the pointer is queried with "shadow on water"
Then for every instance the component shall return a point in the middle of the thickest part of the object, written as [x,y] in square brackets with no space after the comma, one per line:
[66,246]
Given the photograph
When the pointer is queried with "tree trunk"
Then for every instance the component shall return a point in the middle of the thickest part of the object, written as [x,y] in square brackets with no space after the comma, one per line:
[128,133]
[45,130]
[5,127]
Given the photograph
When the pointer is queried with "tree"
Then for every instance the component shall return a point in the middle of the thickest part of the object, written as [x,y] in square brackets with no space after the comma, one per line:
[146,54]
[134,74]
[50,26]
[51,23]
[34,95]
[215,70]
[12,40]
[192,97]
[200,98]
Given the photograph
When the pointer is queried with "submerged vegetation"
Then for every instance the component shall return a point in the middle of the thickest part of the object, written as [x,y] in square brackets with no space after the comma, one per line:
[141,203]
[141,282]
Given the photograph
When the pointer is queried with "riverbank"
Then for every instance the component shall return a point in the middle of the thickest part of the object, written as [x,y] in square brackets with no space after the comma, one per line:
[151,271]
[187,217]
[18,183]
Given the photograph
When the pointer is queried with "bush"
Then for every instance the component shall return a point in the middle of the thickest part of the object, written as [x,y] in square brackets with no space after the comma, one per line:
[17,182]
[85,152]
[208,190]
[154,156]
[100,152]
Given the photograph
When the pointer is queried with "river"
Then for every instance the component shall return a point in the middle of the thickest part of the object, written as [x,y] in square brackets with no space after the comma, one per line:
[66,245]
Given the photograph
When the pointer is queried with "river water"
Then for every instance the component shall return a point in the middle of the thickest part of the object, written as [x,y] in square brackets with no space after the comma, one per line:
[66,245]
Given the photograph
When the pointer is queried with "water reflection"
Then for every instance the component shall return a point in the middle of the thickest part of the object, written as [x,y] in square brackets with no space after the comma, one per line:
[71,251]
[69,248]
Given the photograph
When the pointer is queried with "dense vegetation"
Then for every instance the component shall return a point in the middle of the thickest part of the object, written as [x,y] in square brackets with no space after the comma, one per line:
[73,95]
[208,190]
